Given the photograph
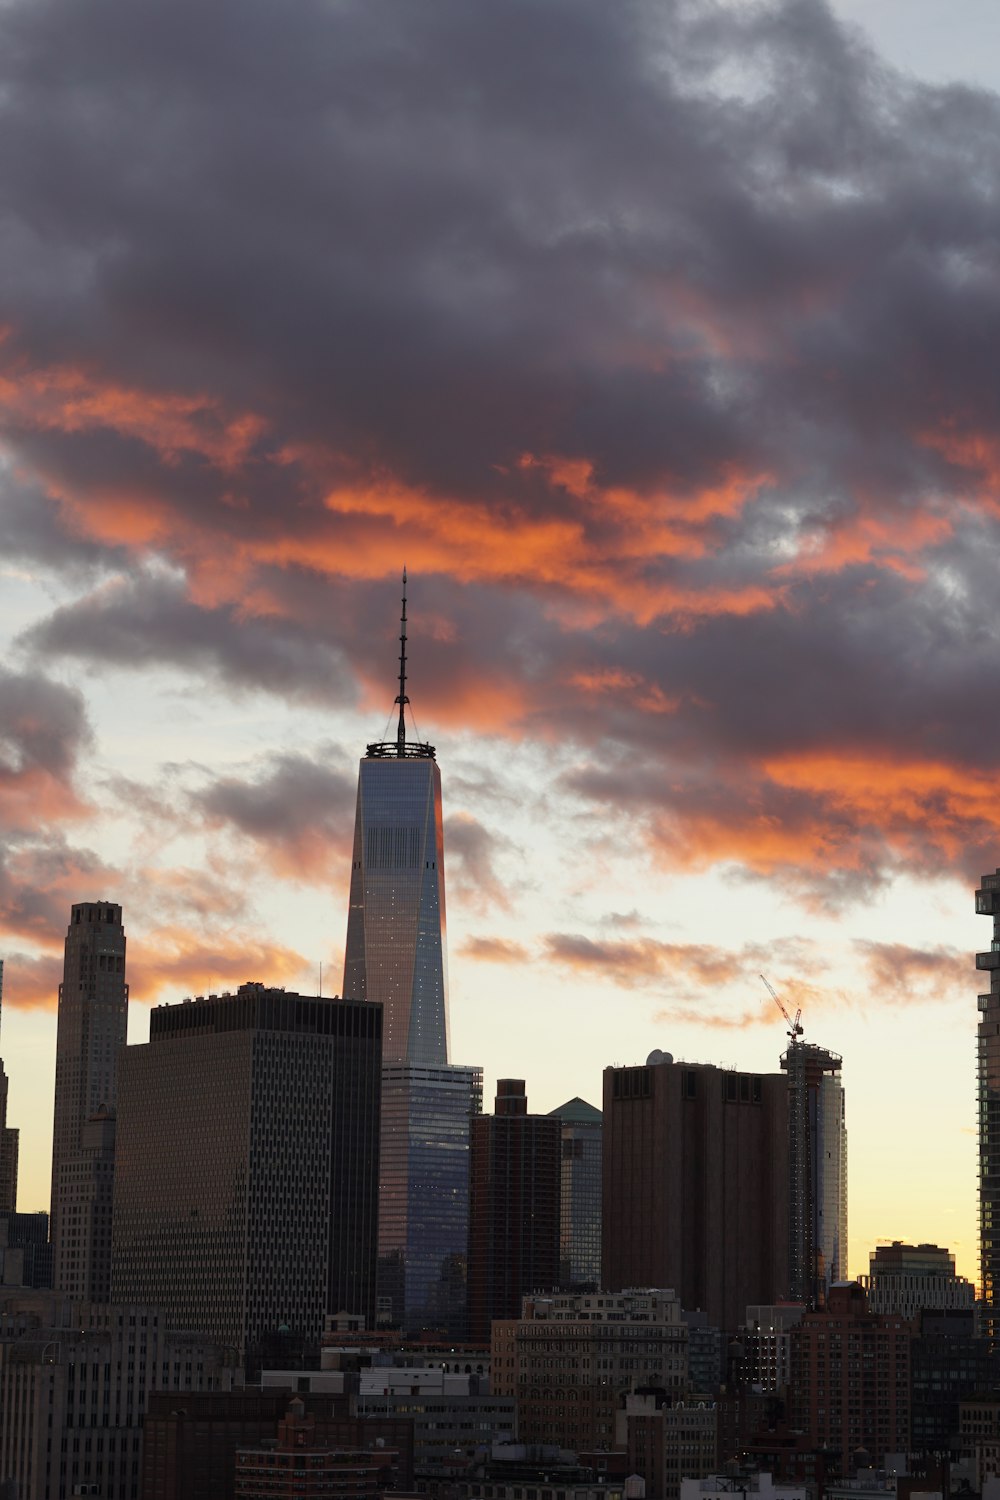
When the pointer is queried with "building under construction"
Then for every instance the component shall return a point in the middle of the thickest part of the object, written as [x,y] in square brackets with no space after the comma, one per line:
[817,1172]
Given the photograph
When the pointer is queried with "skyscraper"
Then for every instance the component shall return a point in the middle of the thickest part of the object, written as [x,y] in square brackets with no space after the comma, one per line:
[513,1208]
[396,925]
[245,1189]
[396,954]
[93,1015]
[988,1052]
[9,1138]
[580,1196]
[817,1172]
[696,1184]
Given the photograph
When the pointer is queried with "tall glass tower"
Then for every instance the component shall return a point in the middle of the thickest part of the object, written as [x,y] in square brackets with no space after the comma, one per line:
[988,1071]
[396,954]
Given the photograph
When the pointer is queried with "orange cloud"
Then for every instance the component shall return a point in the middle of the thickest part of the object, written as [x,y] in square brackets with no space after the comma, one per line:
[494,950]
[174,963]
[69,399]
[31,981]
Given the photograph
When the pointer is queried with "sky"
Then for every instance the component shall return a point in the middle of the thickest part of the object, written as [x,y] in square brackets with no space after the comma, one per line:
[658,340]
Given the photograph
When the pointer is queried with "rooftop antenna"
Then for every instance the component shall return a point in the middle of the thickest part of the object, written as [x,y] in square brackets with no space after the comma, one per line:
[400,748]
[402,700]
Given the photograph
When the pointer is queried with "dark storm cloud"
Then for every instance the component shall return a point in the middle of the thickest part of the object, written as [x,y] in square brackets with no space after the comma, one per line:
[149,619]
[658,338]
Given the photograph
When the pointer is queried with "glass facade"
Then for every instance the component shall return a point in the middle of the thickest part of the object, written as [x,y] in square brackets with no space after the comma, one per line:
[424,1194]
[817,1164]
[396,945]
[988,905]
[580,1195]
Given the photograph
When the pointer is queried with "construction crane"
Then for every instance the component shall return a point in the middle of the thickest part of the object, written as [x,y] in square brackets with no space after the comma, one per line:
[794,1027]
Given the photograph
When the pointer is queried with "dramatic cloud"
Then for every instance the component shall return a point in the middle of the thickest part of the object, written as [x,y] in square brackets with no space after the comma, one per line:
[172,963]
[657,338]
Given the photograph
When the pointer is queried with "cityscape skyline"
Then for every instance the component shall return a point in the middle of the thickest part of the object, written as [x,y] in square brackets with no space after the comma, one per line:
[694,471]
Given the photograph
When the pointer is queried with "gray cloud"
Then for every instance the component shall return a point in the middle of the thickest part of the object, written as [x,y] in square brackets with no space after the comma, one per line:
[362,254]
[299,809]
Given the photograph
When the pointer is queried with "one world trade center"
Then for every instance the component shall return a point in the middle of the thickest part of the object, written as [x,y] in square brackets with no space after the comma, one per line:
[396,954]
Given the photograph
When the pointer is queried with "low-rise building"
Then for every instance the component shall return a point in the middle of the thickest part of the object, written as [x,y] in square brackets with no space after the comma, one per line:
[569,1359]
[190,1445]
[454,1416]
[721,1486]
[668,1441]
[300,1465]
[75,1380]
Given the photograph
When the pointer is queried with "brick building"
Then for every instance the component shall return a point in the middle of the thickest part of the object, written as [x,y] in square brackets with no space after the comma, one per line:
[668,1441]
[696,1185]
[191,1445]
[300,1465]
[851,1378]
[569,1359]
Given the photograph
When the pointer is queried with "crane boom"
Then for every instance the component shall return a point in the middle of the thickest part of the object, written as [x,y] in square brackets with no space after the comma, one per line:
[794,1027]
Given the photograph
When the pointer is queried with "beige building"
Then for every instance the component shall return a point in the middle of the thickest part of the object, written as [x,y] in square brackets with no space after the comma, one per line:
[75,1378]
[93,1009]
[568,1360]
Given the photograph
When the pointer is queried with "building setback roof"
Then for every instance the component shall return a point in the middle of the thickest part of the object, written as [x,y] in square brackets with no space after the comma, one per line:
[578,1112]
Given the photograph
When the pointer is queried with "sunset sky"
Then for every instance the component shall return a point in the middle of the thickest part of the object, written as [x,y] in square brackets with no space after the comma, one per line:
[659,340]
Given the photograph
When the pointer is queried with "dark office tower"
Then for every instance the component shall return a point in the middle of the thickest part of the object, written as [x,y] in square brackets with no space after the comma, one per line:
[817,1172]
[93,1014]
[513,1208]
[247,1170]
[8,1139]
[988,905]
[580,1196]
[696,1185]
[396,954]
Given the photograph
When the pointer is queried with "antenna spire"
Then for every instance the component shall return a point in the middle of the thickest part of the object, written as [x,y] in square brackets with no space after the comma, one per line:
[402,700]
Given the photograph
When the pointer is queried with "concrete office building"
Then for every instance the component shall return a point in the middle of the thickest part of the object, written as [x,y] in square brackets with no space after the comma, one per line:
[767,1345]
[909,1279]
[569,1359]
[75,1380]
[580,1196]
[696,1184]
[514,1193]
[396,955]
[25,1252]
[245,1192]
[93,1016]
[453,1416]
